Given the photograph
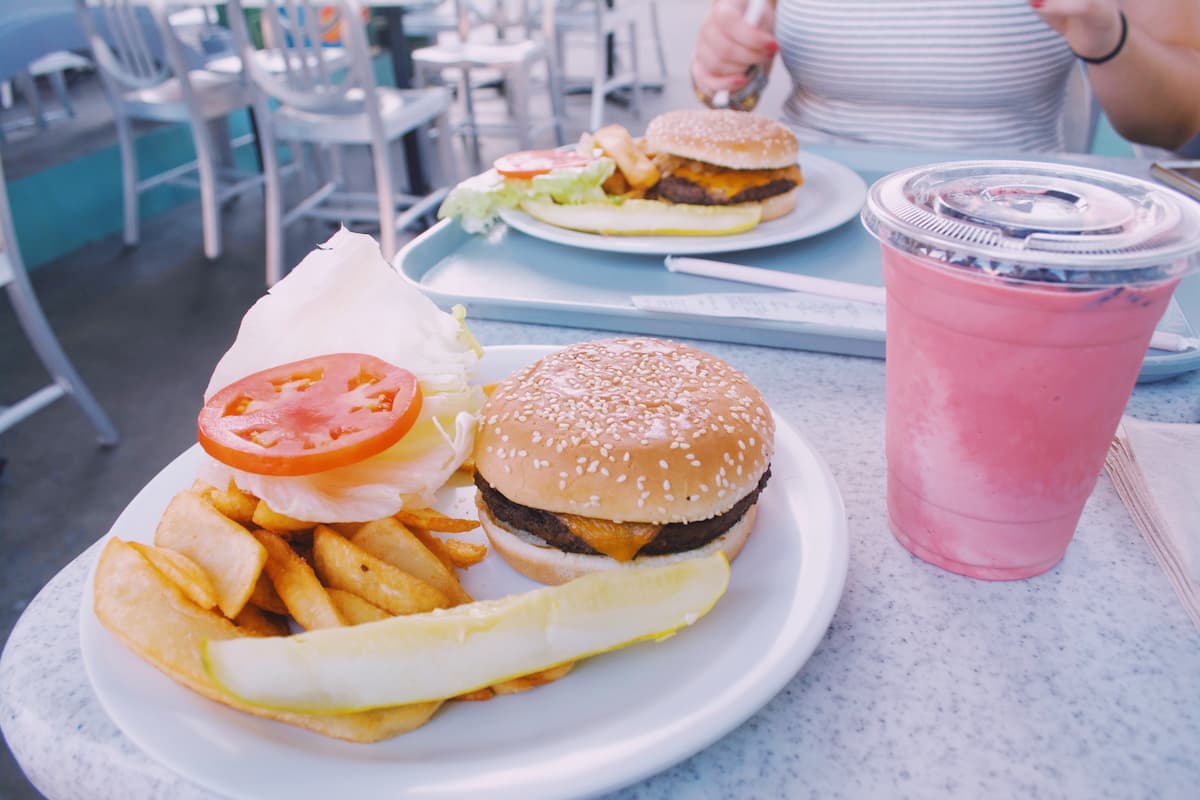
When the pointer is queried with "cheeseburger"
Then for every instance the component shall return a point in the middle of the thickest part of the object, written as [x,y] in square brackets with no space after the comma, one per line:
[620,452]
[724,157]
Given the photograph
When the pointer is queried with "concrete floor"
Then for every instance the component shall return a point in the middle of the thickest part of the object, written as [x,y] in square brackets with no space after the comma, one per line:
[144,326]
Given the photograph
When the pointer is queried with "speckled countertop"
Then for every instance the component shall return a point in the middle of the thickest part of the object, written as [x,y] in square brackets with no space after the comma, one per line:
[1081,683]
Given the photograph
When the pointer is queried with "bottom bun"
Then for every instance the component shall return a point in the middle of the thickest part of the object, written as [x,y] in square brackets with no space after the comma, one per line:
[779,205]
[535,559]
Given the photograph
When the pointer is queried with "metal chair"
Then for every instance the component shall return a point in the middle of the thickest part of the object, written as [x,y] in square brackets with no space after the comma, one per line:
[149,77]
[66,381]
[609,27]
[309,103]
[507,54]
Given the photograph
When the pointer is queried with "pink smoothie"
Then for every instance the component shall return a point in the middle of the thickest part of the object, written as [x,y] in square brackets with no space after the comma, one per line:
[1002,400]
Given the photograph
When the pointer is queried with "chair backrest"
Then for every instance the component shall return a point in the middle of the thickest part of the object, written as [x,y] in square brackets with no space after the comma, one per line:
[126,43]
[298,32]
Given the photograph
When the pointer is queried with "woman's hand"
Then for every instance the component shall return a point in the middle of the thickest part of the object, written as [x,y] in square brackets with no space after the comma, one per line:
[1091,27]
[728,46]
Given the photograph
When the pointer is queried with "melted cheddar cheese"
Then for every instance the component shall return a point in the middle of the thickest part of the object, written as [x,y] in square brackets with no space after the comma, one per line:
[617,540]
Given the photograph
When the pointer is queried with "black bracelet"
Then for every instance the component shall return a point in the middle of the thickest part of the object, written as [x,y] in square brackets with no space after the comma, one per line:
[1115,50]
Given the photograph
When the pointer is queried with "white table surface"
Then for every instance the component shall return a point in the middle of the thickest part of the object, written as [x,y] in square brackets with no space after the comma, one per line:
[1083,682]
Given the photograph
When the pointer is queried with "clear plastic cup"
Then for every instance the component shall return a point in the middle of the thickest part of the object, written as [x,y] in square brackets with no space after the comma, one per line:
[1021,298]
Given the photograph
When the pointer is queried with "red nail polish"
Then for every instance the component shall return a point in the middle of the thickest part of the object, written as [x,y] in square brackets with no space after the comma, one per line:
[739,81]
[773,47]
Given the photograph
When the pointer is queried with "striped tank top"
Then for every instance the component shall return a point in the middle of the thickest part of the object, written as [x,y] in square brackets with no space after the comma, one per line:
[943,74]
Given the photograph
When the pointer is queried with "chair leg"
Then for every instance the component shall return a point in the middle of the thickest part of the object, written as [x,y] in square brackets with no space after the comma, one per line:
[59,84]
[517,82]
[386,194]
[555,88]
[471,123]
[33,97]
[636,86]
[129,176]
[273,198]
[656,33]
[46,345]
[599,84]
[210,210]
[448,173]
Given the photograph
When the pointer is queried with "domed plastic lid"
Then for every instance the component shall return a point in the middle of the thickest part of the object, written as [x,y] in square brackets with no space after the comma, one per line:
[1034,221]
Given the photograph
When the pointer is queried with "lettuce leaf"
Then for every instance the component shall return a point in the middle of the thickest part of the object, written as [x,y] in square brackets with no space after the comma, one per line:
[478,201]
[345,298]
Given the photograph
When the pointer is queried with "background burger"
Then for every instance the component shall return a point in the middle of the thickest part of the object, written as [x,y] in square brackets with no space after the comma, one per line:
[620,452]
[723,157]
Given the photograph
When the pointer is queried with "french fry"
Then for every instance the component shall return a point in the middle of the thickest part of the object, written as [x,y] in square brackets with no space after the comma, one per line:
[435,545]
[239,506]
[297,585]
[347,529]
[225,550]
[266,518]
[533,680]
[515,685]
[618,145]
[354,609]
[154,619]
[256,622]
[343,565]
[464,554]
[433,520]
[265,597]
[388,540]
[189,576]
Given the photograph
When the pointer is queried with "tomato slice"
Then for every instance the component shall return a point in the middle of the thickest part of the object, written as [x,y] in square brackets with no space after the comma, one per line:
[311,415]
[529,163]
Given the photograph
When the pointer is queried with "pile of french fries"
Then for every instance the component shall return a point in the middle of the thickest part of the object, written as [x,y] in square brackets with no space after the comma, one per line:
[224,565]
[635,172]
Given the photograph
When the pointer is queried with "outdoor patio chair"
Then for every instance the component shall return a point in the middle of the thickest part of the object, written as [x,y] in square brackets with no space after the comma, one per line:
[307,102]
[148,77]
[65,380]
[506,49]
[610,28]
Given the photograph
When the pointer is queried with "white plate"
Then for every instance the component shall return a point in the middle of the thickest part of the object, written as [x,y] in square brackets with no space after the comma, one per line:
[832,193]
[615,719]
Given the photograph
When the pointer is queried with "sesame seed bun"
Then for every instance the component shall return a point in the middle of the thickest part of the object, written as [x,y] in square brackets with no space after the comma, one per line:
[733,139]
[618,435]
[631,430]
[780,205]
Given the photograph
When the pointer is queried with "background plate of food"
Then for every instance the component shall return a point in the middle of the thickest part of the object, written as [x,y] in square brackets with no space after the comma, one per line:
[831,194]
[616,718]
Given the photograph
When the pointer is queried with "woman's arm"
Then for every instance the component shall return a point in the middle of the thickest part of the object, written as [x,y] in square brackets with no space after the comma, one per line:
[1150,89]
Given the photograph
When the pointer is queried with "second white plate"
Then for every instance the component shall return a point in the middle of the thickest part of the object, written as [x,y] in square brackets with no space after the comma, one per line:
[615,719]
[832,194]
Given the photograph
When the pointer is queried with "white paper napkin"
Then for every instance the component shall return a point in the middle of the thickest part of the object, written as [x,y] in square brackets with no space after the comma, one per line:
[1155,467]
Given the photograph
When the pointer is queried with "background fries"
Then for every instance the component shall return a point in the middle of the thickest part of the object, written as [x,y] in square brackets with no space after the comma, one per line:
[635,171]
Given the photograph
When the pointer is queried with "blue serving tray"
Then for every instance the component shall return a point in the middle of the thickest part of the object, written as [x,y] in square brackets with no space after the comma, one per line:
[507,275]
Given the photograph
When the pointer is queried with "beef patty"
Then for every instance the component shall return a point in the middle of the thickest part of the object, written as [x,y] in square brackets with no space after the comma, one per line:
[681,190]
[676,537]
